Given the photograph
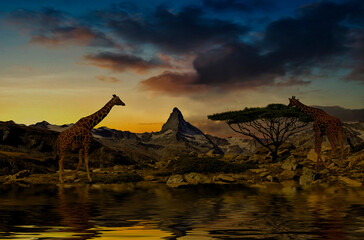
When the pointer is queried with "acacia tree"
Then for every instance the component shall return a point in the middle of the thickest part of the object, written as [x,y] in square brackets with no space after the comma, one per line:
[270,126]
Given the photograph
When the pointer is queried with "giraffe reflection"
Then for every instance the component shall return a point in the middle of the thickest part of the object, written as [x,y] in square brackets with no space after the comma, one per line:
[75,211]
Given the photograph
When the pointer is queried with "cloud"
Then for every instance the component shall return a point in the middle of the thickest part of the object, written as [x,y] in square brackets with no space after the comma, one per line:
[188,30]
[357,72]
[173,83]
[53,28]
[239,5]
[107,79]
[203,52]
[120,62]
[318,37]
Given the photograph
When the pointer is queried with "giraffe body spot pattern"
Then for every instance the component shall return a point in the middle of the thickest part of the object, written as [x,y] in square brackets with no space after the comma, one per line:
[79,136]
[324,124]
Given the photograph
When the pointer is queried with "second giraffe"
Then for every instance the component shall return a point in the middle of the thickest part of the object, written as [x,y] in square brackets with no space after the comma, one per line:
[324,124]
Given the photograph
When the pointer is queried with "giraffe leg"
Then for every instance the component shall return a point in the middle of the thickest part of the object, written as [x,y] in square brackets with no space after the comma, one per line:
[340,140]
[86,148]
[80,153]
[318,142]
[61,170]
[332,140]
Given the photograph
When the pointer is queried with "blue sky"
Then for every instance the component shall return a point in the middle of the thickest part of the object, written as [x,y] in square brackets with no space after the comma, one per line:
[63,59]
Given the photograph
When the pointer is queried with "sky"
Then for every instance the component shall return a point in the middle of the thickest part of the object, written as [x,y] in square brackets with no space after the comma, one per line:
[61,60]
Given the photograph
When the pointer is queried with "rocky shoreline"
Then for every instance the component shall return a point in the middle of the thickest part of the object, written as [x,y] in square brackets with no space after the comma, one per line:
[294,168]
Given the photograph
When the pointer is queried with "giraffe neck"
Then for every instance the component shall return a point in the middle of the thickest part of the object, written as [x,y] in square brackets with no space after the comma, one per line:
[91,121]
[310,111]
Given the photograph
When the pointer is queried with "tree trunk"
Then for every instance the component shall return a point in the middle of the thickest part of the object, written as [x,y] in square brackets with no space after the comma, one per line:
[274,154]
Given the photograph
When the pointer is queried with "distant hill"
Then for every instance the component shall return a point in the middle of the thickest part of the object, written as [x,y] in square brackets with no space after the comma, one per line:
[344,114]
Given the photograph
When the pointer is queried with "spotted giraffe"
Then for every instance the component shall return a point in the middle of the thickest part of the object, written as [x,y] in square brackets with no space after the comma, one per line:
[79,136]
[324,124]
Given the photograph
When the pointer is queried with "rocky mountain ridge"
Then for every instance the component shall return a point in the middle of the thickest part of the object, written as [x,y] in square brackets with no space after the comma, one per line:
[178,136]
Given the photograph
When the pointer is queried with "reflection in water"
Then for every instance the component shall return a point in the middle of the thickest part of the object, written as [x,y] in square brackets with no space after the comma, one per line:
[154,211]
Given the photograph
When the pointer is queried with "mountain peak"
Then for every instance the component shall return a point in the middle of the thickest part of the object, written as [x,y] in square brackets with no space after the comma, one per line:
[42,124]
[177,123]
[176,110]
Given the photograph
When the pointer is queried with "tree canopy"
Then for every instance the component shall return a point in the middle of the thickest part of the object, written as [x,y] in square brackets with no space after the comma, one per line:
[271,126]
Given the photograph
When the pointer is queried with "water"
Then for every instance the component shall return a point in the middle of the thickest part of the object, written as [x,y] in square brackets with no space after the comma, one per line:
[154,211]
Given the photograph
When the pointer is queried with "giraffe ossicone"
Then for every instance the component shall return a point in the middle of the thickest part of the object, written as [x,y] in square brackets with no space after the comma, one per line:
[79,136]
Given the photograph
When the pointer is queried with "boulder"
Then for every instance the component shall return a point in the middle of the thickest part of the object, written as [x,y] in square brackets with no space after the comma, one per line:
[225,178]
[290,163]
[350,182]
[286,175]
[258,170]
[196,178]
[271,178]
[22,174]
[308,176]
[176,181]
[312,155]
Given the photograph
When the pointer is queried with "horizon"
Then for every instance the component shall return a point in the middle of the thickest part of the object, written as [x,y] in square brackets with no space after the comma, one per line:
[214,128]
[63,60]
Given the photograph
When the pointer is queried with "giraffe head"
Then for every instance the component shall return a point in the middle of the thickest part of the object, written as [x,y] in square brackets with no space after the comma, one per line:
[116,100]
[293,101]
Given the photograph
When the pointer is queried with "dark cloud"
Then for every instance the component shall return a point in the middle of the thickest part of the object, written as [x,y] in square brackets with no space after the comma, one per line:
[357,72]
[54,28]
[236,64]
[123,62]
[173,83]
[319,36]
[325,35]
[239,5]
[188,30]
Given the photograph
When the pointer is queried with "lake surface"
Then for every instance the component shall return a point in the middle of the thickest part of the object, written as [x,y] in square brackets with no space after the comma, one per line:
[155,211]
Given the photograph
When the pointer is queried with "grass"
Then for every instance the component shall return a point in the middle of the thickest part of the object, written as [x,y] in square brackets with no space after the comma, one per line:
[120,178]
[207,165]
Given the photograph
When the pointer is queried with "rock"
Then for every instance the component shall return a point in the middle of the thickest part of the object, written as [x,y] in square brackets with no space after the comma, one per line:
[286,175]
[332,166]
[271,178]
[263,174]
[353,160]
[307,177]
[150,178]
[21,174]
[350,182]
[258,170]
[176,181]
[117,168]
[66,171]
[324,171]
[290,163]
[196,178]
[97,170]
[283,153]
[225,178]
[312,155]
[357,175]
[239,176]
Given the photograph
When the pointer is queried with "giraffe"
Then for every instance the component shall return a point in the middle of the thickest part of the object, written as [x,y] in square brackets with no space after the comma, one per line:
[79,136]
[324,124]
